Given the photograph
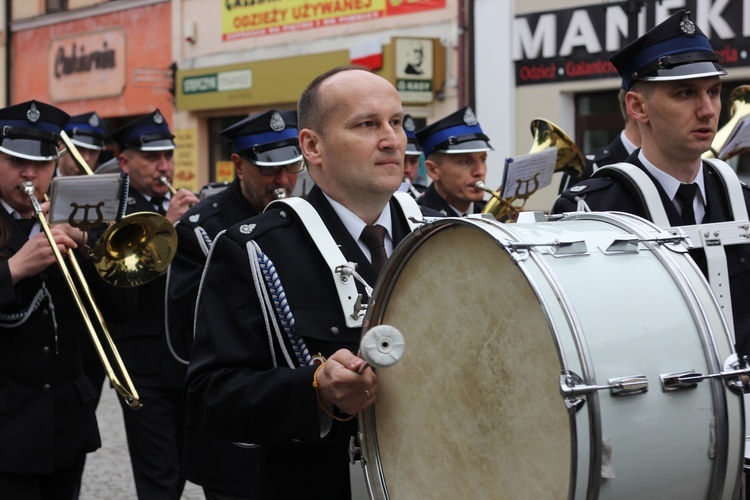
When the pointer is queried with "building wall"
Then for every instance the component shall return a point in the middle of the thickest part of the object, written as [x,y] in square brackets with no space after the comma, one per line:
[506,109]
[147,34]
[297,57]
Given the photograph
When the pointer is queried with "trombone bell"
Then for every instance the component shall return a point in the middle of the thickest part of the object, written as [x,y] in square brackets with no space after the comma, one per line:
[135,250]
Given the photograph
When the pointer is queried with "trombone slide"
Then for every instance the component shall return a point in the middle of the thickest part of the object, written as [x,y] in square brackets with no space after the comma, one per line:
[127,391]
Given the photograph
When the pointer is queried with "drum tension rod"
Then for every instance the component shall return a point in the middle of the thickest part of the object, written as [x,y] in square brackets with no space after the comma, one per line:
[736,377]
[573,389]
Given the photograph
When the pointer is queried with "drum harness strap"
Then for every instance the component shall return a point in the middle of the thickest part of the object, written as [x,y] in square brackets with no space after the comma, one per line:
[710,237]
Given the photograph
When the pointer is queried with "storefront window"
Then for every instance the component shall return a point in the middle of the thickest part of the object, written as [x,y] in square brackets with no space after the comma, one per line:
[598,120]
[56,5]
[220,149]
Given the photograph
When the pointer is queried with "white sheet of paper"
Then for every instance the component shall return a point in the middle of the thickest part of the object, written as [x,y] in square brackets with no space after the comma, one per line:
[85,196]
[526,173]
[739,138]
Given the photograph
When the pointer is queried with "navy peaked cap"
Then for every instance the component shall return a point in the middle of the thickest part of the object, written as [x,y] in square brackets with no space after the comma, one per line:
[31,130]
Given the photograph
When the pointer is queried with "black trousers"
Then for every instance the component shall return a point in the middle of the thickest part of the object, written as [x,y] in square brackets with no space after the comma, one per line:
[155,435]
[58,485]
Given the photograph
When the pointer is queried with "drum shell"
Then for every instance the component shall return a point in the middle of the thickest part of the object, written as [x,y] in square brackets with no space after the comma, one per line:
[478,389]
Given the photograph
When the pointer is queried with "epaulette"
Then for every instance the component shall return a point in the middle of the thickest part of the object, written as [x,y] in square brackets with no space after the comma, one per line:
[260,224]
[201,213]
[598,155]
[589,186]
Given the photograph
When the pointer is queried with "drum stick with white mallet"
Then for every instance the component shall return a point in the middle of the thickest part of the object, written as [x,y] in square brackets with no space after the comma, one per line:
[381,346]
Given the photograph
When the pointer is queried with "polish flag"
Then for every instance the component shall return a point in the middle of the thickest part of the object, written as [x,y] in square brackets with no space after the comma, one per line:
[368,53]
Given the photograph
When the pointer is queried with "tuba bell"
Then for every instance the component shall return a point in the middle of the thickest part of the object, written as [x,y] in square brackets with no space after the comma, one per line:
[739,109]
[569,160]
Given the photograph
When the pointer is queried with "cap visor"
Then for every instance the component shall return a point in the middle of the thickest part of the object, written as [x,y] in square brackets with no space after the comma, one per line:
[160,145]
[29,149]
[695,70]
[87,142]
[468,147]
[279,156]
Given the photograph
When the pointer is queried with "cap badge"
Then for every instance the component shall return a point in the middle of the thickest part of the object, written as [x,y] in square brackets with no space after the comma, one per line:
[94,120]
[247,228]
[33,114]
[158,118]
[687,26]
[469,118]
[277,123]
[194,218]
[409,125]
[578,189]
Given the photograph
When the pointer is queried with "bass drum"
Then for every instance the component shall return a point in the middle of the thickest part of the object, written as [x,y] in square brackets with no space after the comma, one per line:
[533,366]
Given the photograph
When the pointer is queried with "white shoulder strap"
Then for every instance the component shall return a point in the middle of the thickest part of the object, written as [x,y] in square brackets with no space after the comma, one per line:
[733,188]
[329,250]
[649,193]
[410,209]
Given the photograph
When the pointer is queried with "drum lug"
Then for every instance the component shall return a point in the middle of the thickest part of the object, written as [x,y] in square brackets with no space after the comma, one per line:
[572,387]
[623,244]
[735,374]
[355,450]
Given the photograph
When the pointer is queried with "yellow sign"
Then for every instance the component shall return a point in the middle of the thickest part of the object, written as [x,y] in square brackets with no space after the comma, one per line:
[254,83]
[85,66]
[186,159]
[224,171]
[250,18]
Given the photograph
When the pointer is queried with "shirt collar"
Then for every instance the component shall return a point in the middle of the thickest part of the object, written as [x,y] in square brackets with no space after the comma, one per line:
[354,224]
[629,146]
[669,183]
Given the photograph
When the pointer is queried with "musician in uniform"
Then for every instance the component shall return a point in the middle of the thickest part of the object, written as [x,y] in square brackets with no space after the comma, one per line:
[412,158]
[87,133]
[267,160]
[672,78]
[617,151]
[455,149]
[154,432]
[253,375]
[47,404]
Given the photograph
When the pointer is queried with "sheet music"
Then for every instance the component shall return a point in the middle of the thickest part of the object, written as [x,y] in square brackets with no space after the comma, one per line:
[738,139]
[85,197]
[526,173]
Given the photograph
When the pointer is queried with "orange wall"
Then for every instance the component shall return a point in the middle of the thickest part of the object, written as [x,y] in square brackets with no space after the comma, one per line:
[148,45]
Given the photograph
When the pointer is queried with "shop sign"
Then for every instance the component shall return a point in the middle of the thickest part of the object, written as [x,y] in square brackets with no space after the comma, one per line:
[251,18]
[575,44]
[87,66]
[414,69]
[224,81]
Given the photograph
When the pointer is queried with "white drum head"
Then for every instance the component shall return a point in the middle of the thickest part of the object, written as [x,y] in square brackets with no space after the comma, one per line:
[473,408]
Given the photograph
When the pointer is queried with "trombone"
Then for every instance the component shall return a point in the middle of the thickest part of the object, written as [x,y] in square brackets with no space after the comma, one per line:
[126,390]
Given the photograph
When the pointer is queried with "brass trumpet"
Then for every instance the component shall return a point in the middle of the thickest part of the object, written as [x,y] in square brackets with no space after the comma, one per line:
[126,390]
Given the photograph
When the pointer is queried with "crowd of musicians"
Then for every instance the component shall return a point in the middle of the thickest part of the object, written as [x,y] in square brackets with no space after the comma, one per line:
[246,366]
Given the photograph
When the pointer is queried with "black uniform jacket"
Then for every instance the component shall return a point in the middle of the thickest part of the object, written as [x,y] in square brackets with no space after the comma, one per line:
[47,418]
[615,152]
[431,199]
[611,194]
[216,464]
[141,338]
[212,215]
[234,392]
